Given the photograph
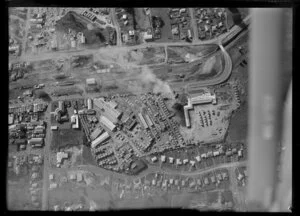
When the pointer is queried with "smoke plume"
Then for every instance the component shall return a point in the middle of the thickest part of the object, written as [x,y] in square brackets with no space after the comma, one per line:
[209,64]
[149,78]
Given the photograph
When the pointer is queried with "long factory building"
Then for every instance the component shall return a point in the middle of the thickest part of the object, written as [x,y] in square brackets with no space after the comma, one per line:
[109,109]
[201,99]
[100,139]
[143,120]
[107,123]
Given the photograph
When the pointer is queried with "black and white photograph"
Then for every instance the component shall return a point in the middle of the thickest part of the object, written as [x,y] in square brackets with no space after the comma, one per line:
[149,108]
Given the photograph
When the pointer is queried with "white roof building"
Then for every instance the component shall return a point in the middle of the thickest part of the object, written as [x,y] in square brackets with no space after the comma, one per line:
[91,81]
[51,176]
[240,177]
[76,124]
[240,153]
[107,123]
[192,163]
[216,153]
[100,139]
[147,36]
[178,161]
[185,161]
[60,156]
[202,99]
[198,158]
[203,155]
[131,32]
[96,133]
[171,160]
[54,127]
[154,159]
[53,185]
[163,158]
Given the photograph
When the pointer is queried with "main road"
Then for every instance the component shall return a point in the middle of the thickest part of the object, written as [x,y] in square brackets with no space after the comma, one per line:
[46,160]
[67,53]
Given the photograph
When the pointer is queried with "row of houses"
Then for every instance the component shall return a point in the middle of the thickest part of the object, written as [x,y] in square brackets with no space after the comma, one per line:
[37,107]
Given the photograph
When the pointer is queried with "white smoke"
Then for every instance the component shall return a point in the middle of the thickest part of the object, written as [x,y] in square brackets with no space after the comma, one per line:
[209,64]
[149,78]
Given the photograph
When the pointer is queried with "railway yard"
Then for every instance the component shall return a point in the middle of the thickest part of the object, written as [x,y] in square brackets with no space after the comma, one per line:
[105,113]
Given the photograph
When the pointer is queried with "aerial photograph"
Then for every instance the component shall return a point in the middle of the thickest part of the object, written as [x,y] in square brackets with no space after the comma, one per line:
[127,108]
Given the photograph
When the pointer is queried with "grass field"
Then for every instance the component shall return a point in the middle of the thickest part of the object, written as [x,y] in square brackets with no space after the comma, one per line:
[142,20]
[87,157]
[66,138]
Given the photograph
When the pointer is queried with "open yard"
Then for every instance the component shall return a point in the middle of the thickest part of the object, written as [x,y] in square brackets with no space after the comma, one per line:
[188,53]
[147,56]
[142,20]
[67,138]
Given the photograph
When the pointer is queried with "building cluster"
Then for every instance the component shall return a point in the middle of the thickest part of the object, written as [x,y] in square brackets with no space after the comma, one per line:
[241,175]
[33,163]
[106,119]
[14,47]
[205,182]
[236,95]
[17,70]
[201,99]
[61,114]
[217,154]
[180,23]
[25,126]
[156,24]
[125,154]
[211,22]
[60,158]
[125,19]
[205,117]
[101,17]
[97,15]
[35,192]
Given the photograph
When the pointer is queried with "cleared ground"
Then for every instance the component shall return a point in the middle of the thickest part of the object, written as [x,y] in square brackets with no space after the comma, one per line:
[142,20]
[66,138]
[187,52]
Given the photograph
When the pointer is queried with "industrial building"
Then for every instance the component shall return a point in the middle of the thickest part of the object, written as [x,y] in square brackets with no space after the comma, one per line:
[90,103]
[111,113]
[75,121]
[100,139]
[143,120]
[201,99]
[149,121]
[96,133]
[36,142]
[107,123]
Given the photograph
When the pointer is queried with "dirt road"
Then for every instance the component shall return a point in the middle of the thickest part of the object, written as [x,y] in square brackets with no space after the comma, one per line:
[27,25]
[194,25]
[46,160]
[117,27]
